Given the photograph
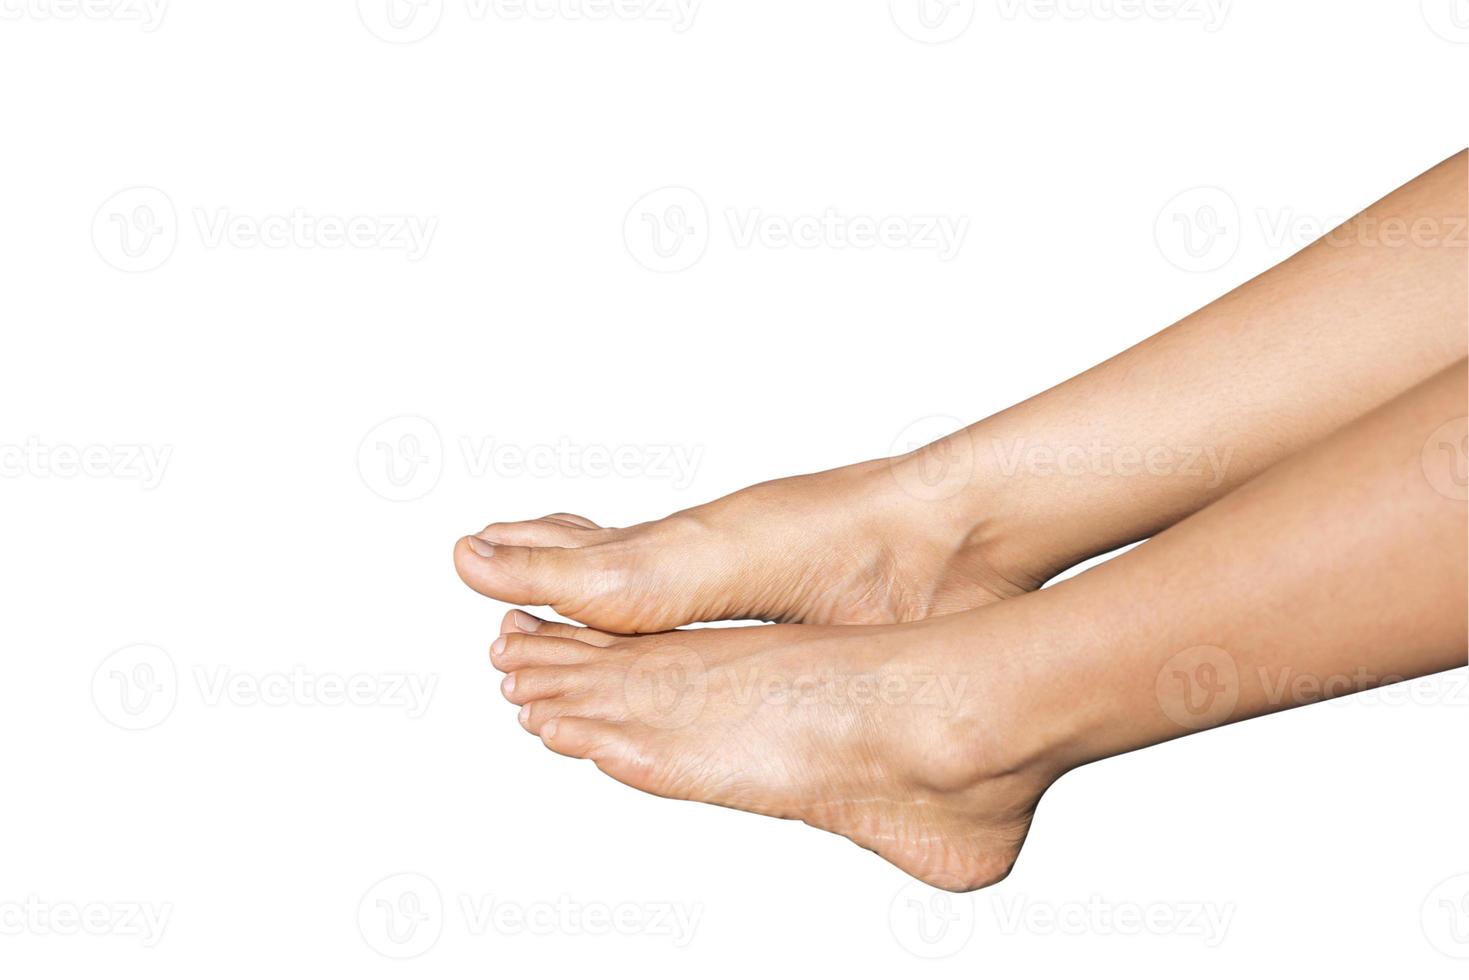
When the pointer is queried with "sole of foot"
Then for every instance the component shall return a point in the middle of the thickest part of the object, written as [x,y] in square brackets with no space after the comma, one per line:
[879,734]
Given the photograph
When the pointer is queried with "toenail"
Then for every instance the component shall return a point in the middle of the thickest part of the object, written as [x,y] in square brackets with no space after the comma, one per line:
[497,649]
[525,715]
[507,686]
[526,621]
[481,547]
[548,730]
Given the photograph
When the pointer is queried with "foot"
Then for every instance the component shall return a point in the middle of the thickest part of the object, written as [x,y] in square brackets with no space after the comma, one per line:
[897,738]
[855,545]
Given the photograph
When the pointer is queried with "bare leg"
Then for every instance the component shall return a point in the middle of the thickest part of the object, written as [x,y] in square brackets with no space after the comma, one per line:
[932,742]
[1111,456]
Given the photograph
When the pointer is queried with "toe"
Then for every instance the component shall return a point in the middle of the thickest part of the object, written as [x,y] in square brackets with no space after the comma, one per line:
[514,651]
[520,621]
[532,576]
[576,519]
[533,716]
[547,532]
[538,683]
[585,738]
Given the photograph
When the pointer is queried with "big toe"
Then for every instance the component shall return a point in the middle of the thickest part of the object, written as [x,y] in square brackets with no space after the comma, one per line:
[642,579]
[524,574]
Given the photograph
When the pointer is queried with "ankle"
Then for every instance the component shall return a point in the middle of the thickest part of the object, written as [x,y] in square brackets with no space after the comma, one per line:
[1019,717]
[958,497]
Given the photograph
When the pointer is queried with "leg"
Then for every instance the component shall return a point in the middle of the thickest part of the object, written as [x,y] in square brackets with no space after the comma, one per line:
[1217,398]
[931,743]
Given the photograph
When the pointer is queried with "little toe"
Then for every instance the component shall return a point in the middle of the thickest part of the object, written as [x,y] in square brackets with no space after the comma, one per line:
[585,738]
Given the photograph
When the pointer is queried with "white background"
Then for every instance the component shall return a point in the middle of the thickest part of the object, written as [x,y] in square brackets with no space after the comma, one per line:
[270,547]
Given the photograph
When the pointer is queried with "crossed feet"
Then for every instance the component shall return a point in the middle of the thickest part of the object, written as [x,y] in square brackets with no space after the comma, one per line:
[895,736]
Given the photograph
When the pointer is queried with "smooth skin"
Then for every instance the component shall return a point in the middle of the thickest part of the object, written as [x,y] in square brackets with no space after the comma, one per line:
[932,742]
[1284,360]
[1319,548]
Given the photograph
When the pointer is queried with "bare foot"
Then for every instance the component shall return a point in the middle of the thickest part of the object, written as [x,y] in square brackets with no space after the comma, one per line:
[849,546]
[899,738]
